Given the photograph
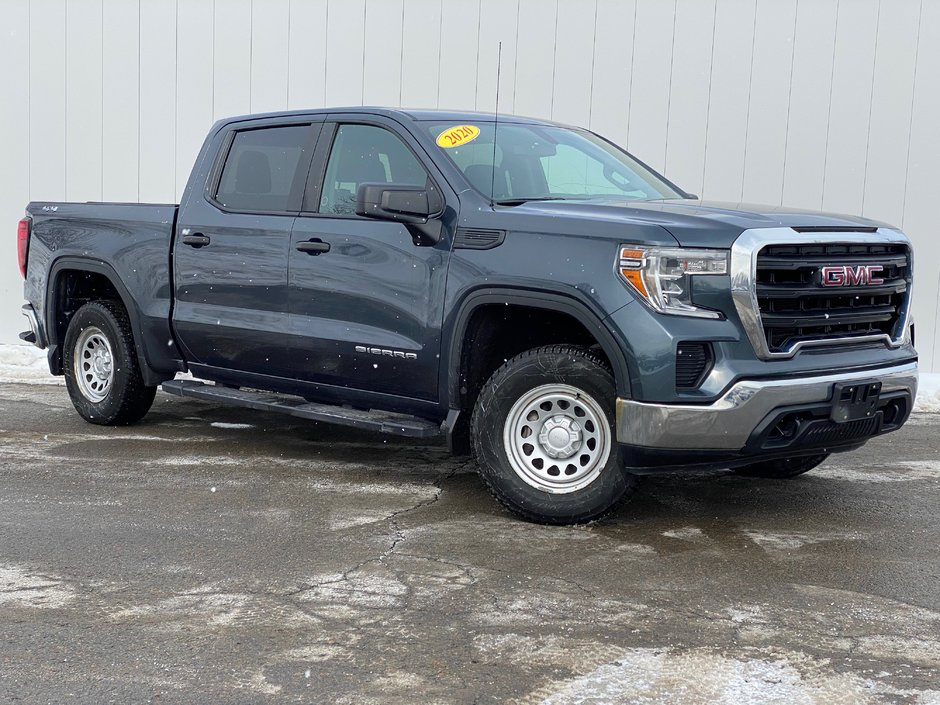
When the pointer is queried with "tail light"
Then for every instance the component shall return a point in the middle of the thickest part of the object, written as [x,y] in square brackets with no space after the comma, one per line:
[22,243]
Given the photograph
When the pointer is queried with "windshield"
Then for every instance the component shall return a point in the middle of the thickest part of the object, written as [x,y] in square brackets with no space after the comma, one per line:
[539,162]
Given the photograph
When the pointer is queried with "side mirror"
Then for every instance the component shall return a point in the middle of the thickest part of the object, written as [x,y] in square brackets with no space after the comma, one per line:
[403,204]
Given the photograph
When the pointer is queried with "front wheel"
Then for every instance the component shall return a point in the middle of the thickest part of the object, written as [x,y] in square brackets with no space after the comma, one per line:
[101,370]
[543,435]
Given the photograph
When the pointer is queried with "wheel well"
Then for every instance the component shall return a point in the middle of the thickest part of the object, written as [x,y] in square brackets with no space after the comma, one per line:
[73,289]
[497,332]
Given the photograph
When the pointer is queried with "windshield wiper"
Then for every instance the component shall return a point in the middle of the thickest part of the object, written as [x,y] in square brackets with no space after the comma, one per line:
[520,201]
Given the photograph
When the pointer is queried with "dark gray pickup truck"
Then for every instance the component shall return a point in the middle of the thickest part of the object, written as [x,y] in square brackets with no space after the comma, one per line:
[527,290]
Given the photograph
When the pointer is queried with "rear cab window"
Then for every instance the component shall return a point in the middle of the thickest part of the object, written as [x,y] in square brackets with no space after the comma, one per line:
[261,169]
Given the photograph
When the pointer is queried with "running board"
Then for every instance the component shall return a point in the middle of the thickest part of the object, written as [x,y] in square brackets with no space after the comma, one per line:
[380,421]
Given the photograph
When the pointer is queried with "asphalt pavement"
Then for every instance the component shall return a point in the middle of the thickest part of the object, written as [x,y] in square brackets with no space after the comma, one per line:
[214,555]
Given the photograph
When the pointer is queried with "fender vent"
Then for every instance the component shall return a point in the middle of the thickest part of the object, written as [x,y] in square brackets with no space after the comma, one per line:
[475,239]
[693,361]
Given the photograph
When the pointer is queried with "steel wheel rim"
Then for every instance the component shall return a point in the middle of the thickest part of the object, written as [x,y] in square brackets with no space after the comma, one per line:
[93,363]
[557,438]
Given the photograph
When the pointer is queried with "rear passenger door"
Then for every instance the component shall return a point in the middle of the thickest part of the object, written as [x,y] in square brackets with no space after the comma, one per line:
[230,255]
[366,309]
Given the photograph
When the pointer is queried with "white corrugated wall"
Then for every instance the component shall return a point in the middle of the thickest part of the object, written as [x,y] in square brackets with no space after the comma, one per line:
[831,104]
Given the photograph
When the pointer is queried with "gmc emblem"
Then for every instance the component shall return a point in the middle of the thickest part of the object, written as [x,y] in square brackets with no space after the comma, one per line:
[847,275]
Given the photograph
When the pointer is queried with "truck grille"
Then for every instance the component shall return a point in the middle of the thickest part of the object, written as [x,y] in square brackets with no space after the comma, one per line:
[795,306]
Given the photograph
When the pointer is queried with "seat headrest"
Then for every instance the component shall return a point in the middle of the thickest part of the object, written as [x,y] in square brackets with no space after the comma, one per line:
[253,174]
[359,168]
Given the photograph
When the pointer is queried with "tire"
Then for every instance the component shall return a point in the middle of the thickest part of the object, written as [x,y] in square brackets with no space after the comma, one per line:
[102,374]
[561,398]
[782,469]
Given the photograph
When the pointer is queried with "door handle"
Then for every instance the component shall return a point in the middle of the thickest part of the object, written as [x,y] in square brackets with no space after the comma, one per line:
[198,240]
[314,246]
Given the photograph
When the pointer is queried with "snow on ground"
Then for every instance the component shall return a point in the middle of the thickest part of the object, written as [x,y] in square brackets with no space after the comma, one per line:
[25,364]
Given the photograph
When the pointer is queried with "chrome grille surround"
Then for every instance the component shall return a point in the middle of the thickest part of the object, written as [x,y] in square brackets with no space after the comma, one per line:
[743,270]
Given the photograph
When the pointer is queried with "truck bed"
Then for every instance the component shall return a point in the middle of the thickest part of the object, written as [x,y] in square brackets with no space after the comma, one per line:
[128,242]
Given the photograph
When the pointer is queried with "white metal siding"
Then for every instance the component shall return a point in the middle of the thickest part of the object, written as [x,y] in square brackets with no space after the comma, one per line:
[820,104]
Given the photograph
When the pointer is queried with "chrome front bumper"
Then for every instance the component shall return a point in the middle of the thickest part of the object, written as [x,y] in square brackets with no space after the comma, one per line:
[728,423]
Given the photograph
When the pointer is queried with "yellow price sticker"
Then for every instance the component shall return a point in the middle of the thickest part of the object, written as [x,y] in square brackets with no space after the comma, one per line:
[456,136]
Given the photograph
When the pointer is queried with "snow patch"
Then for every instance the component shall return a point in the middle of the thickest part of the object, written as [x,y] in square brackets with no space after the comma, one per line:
[20,588]
[793,541]
[908,471]
[25,364]
[223,424]
[928,393]
[702,676]
[686,533]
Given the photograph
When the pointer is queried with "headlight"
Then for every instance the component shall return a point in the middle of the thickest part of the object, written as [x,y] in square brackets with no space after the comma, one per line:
[662,276]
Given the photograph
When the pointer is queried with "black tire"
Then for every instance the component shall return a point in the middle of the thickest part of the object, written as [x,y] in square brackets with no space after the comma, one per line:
[564,368]
[783,468]
[125,398]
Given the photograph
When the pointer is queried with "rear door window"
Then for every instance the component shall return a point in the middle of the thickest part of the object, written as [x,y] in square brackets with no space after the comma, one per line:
[261,170]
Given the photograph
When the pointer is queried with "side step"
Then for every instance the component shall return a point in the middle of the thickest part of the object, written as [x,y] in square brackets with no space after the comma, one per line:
[380,421]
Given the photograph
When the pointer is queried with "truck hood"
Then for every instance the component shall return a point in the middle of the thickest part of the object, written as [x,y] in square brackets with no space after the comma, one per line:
[694,223]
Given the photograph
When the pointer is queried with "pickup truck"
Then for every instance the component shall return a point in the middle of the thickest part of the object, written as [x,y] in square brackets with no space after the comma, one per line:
[527,290]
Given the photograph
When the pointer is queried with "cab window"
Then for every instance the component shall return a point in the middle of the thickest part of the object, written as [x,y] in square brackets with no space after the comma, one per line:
[260,170]
[366,154]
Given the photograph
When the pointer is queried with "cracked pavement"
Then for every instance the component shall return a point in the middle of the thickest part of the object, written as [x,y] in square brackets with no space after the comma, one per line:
[213,555]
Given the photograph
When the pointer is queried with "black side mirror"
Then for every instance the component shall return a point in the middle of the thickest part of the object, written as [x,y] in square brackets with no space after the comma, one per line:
[403,204]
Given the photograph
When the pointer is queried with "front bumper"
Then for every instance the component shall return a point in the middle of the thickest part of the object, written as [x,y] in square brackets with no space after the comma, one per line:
[729,423]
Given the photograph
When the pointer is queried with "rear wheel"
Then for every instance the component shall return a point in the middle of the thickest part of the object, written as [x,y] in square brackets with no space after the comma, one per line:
[783,468]
[543,434]
[101,369]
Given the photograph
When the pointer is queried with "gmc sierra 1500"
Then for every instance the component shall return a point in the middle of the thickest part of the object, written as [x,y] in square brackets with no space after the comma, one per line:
[526,289]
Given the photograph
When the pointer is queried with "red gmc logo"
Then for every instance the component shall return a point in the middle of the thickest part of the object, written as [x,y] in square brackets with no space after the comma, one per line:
[847,275]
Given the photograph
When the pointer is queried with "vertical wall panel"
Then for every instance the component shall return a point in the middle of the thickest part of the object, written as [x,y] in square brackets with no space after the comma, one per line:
[574,64]
[850,106]
[307,54]
[269,55]
[382,69]
[892,91]
[765,148]
[83,88]
[47,104]
[232,58]
[812,103]
[14,153]
[344,46]
[421,50]
[535,58]
[120,98]
[810,86]
[923,182]
[497,24]
[194,78]
[613,63]
[728,100]
[459,52]
[652,68]
[688,101]
[158,101]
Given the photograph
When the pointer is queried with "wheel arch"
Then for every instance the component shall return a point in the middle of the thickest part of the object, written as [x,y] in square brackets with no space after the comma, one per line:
[549,301]
[57,323]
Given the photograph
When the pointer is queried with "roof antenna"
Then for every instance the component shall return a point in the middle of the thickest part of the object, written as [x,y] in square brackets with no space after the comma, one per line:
[499,62]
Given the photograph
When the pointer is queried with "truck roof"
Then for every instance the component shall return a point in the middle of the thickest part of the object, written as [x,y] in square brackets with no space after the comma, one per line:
[409,114]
